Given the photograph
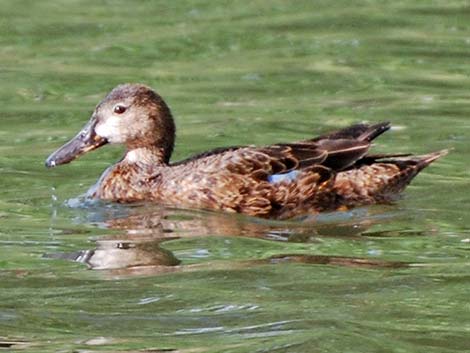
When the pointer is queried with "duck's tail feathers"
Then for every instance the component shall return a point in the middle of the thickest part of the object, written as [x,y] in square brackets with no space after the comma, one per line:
[380,178]
[409,167]
[427,159]
[415,162]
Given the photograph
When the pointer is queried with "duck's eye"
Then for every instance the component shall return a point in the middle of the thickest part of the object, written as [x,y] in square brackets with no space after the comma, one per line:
[119,109]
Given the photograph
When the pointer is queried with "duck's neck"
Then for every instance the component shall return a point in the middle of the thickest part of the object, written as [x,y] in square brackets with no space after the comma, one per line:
[150,156]
[156,145]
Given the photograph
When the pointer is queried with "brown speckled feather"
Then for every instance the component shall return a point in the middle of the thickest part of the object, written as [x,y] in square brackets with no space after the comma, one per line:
[284,180]
[381,179]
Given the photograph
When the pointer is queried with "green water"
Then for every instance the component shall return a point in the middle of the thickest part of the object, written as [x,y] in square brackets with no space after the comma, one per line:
[381,279]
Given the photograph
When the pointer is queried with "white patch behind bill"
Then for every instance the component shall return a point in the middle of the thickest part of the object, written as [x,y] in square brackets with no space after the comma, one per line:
[110,129]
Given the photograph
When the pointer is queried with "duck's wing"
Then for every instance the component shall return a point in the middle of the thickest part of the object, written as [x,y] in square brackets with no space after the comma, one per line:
[261,162]
[336,151]
[347,146]
[334,143]
[335,154]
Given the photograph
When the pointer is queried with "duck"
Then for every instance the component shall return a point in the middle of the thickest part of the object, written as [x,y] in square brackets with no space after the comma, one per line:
[331,172]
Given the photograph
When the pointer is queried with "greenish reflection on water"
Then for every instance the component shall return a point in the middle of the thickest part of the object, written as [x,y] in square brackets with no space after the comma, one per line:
[381,279]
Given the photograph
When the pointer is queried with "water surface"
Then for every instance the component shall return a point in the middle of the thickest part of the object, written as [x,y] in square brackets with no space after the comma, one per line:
[388,278]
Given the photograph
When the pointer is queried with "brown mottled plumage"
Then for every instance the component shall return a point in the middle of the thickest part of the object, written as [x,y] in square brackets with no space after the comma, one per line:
[326,173]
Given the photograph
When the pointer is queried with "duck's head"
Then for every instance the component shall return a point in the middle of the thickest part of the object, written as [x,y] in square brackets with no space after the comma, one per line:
[131,114]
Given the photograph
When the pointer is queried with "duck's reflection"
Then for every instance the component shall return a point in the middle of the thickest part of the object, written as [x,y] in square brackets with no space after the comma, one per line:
[167,223]
[115,254]
[137,250]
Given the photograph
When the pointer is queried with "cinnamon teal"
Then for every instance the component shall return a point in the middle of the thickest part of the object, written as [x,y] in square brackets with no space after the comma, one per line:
[326,173]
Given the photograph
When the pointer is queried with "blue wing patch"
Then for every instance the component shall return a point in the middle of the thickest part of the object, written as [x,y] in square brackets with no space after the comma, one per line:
[277,178]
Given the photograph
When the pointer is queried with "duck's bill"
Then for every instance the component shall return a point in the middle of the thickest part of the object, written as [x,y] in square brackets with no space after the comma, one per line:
[85,141]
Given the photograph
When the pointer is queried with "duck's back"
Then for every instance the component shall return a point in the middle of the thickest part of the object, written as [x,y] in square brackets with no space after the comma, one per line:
[245,180]
[284,180]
